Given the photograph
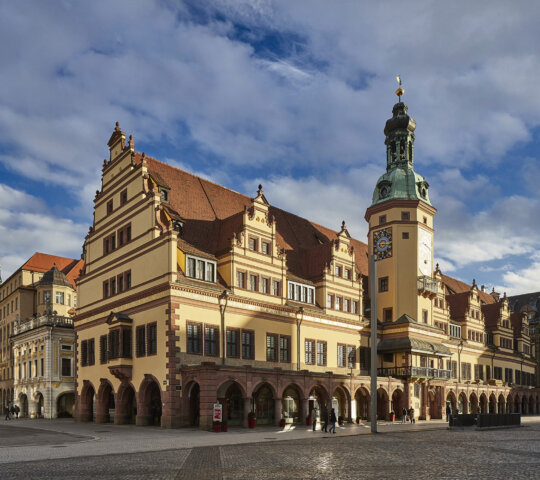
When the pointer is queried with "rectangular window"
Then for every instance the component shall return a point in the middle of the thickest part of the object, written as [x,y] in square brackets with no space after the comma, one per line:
[284,349]
[264,285]
[201,269]
[211,341]
[253,244]
[91,352]
[347,274]
[321,353]
[84,353]
[310,352]
[151,335]
[140,341]
[210,272]
[265,248]
[127,280]
[383,284]
[351,356]
[60,298]
[405,216]
[66,367]
[345,304]
[382,219]
[405,235]
[233,343]
[338,271]
[387,314]
[488,372]
[120,283]
[123,197]
[114,344]
[240,279]
[112,286]
[271,347]
[253,282]
[103,349]
[248,344]
[43,367]
[341,355]
[337,304]
[300,292]
[194,338]
[354,307]
[275,288]
[126,342]
[425,316]
[110,207]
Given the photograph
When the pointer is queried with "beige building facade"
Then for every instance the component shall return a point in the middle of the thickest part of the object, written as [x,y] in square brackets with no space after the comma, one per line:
[193,294]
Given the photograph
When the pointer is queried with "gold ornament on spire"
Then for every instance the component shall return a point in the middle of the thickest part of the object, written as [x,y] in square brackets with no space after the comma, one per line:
[400,91]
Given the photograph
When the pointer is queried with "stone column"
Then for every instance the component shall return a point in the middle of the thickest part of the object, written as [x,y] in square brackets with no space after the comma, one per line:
[32,408]
[305,410]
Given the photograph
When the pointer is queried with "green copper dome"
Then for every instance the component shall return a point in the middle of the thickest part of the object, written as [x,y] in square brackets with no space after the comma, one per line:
[400,182]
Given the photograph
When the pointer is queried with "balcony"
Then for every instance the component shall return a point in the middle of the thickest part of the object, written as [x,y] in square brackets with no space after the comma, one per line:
[427,286]
[418,372]
[45,320]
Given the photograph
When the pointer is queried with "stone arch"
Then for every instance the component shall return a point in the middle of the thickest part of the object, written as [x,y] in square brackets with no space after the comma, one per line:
[524,405]
[86,402]
[265,404]
[291,404]
[105,402]
[492,404]
[451,401]
[531,406]
[398,402]
[517,404]
[23,405]
[39,405]
[501,404]
[483,404]
[150,404]
[340,402]
[232,395]
[462,403]
[382,404]
[435,403]
[192,403]
[65,404]
[509,403]
[363,400]
[473,403]
[318,400]
[126,404]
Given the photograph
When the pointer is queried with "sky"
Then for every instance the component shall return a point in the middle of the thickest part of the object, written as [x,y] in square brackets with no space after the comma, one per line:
[290,94]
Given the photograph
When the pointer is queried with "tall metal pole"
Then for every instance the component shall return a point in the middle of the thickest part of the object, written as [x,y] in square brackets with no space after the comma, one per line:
[373,272]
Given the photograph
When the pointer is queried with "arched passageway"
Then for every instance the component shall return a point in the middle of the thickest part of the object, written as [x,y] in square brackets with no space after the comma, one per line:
[65,403]
[230,396]
[23,405]
[501,404]
[340,403]
[363,400]
[435,410]
[126,405]
[492,403]
[382,404]
[193,391]
[451,402]
[483,403]
[263,400]
[517,405]
[149,405]
[105,404]
[290,404]
[524,406]
[38,398]
[86,403]
[318,401]
[473,403]
[398,402]
[531,409]
[462,403]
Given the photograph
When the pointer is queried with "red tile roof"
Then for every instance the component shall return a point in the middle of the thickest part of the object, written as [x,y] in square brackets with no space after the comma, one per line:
[453,285]
[213,213]
[43,262]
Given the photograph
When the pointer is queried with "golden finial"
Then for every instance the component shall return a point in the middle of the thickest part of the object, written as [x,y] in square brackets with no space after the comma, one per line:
[400,91]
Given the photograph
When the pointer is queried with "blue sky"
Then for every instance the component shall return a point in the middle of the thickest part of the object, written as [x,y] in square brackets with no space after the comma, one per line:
[293,95]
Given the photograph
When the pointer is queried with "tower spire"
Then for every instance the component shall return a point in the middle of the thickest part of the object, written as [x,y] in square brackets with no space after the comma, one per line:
[400,91]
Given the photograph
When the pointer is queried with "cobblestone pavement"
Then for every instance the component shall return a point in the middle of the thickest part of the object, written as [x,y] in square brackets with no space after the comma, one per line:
[15,436]
[415,454]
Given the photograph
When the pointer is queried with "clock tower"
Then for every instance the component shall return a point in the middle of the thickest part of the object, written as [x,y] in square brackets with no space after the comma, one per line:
[401,228]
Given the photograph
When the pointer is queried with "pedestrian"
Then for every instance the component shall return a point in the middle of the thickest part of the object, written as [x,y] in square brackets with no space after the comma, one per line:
[404,415]
[411,414]
[12,412]
[7,412]
[324,420]
[314,418]
[17,411]
[333,420]
[448,412]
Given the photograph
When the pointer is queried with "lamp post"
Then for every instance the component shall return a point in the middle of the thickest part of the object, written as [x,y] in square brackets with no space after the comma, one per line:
[299,319]
[223,300]
[460,348]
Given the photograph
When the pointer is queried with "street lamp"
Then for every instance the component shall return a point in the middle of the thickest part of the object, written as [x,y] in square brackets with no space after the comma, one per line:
[299,319]
[460,348]
[223,299]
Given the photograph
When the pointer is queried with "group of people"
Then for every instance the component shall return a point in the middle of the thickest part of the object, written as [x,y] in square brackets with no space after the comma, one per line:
[408,415]
[11,411]
[326,418]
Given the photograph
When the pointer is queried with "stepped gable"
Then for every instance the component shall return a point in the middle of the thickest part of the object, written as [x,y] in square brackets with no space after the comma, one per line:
[212,213]
[516,320]
[458,304]
[491,314]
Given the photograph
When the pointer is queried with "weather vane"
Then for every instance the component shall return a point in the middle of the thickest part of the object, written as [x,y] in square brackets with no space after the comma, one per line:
[400,91]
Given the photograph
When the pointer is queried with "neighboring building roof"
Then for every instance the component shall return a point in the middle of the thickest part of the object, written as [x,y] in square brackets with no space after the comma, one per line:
[55,277]
[43,262]
[453,285]
[213,213]
[517,302]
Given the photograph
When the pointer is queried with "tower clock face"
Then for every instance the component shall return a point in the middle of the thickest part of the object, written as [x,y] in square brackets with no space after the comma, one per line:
[425,252]
[382,243]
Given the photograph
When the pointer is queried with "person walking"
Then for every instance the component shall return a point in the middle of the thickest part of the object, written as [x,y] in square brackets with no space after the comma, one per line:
[17,411]
[324,420]
[314,418]
[7,409]
[404,415]
[411,414]
[333,420]
[448,412]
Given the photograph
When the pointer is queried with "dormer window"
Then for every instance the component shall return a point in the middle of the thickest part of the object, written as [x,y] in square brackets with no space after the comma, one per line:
[300,292]
[201,269]
[164,193]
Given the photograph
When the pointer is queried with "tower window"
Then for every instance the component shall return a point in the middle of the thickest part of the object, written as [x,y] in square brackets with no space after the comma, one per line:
[383,284]
[405,216]
[425,220]
[405,235]
[382,219]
